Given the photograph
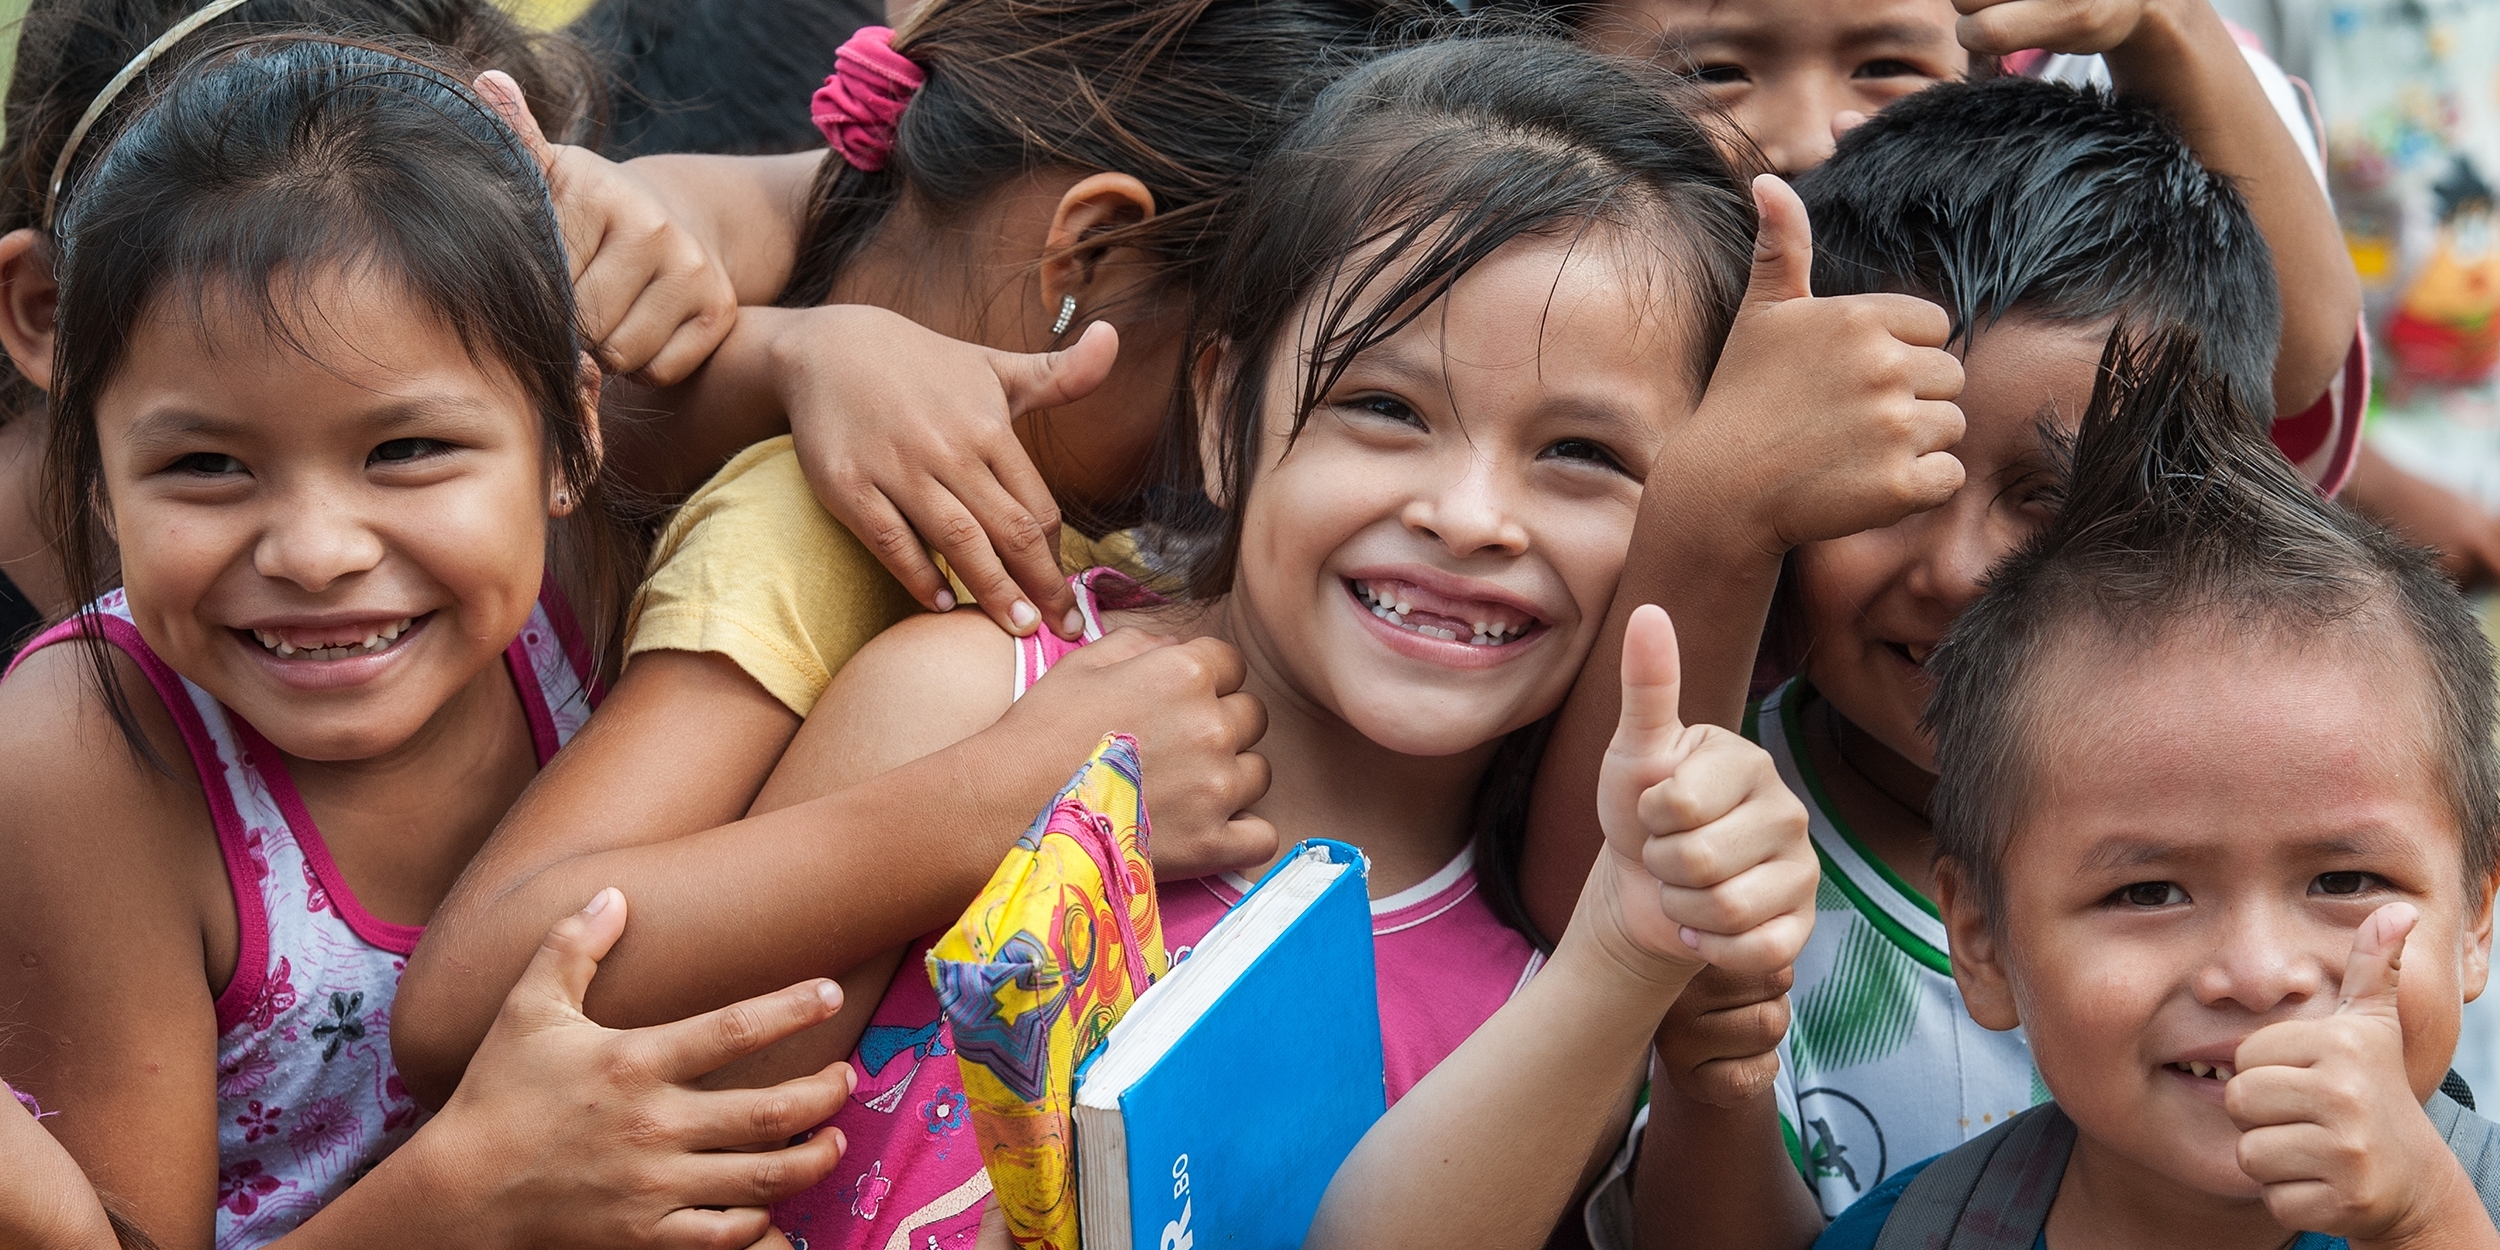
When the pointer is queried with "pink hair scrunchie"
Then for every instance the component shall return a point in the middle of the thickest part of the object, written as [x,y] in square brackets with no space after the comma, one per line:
[864,97]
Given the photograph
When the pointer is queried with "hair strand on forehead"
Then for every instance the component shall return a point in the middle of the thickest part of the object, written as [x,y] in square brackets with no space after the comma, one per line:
[2181,517]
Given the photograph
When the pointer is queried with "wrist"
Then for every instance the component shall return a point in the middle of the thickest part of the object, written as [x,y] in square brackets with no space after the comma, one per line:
[2161,57]
[1598,955]
[2447,1212]
[1704,504]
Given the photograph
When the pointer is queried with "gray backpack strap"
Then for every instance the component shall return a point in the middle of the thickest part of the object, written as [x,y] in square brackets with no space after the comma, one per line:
[1990,1193]
[2476,1142]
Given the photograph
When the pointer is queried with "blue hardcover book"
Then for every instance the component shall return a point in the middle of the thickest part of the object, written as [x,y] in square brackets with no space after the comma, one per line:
[1220,1106]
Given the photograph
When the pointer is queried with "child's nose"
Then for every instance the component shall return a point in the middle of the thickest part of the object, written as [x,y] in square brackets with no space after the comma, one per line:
[312,546]
[1468,514]
[2260,964]
[1791,122]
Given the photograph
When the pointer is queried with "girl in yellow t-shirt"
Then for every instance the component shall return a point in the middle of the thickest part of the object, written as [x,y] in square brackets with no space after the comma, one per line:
[1026,178]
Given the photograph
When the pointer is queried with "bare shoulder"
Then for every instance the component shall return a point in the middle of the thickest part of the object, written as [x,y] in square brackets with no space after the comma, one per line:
[70,765]
[926,684]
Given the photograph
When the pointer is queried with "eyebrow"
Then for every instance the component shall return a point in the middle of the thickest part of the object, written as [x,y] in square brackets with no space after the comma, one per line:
[170,426]
[2129,852]
[1756,38]
[1401,364]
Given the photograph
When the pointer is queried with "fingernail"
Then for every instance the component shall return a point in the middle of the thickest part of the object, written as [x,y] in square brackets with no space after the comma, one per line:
[1074,625]
[945,600]
[830,993]
[1022,616]
[1691,936]
[599,902]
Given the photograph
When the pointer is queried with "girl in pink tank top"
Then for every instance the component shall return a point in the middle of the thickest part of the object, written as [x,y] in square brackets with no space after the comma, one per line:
[319,401]
[1440,354]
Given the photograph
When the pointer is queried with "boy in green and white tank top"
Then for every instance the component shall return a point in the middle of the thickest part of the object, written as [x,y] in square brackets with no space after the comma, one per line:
[1881,1067]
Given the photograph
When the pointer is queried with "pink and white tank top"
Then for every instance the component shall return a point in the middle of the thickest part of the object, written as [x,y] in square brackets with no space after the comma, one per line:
[308,1099]
[911,1175]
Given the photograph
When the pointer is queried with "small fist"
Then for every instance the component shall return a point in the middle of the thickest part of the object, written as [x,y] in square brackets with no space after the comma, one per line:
[1997,27]
[1706,846]
[2328,1121]
[1855,440]
[652,298]
[1195,728]
[1719,1044]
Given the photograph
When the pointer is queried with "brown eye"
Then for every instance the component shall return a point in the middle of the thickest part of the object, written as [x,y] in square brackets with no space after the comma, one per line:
[208,464]
[2150,894]
[2340,884]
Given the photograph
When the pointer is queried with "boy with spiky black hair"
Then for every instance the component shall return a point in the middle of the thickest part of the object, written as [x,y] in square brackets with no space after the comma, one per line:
[2037,217]
[2241,971]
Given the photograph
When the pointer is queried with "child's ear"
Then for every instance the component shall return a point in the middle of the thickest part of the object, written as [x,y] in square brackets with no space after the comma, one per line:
[1978,963]
[28,296]
[561,498]
[2478,939]
[1206,384]
[1073,254]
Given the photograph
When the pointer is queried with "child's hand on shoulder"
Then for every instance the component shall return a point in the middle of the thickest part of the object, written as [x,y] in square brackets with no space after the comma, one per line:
[571,1134]
[1826,415]
[653,300]
[1195,729]
[909,439]
[2329,1124]
[1719,1043]
[1707,856]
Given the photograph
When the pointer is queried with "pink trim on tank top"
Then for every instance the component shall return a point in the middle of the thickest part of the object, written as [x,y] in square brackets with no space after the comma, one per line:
[398,939]
[251,960]
[516,662]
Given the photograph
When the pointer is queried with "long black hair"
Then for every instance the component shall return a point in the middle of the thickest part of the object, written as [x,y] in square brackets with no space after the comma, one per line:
[278,157]
[1408,173]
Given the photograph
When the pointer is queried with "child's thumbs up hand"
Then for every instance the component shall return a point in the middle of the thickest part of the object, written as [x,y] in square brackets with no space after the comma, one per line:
[1707,853]
[2328,1120]
[1826,415]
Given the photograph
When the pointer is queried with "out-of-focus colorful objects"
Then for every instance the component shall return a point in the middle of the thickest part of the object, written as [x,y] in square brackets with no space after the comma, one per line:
[2408,92]
[2444,329]
[1059,944]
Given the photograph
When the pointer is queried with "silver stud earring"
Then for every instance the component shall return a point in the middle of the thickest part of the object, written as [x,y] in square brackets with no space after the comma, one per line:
[1067,313]
[564,500]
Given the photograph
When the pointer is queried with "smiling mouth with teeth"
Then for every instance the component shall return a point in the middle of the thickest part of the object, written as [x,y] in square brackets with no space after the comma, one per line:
[2210,1071]
[1410,607]
[373,643]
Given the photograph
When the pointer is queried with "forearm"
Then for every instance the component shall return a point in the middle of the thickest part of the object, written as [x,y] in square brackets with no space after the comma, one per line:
[1716,585]
[666,441]
[1719,1176]
[749,210]
[746,907]
[2183,58]
[1488,1149]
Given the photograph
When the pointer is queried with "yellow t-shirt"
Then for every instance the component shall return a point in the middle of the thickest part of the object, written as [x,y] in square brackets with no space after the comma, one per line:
[753,568]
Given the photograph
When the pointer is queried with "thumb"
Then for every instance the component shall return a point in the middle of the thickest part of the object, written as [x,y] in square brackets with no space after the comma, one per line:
[1783,246]
[559,974]
[504,95]
[1652,684]
[1041,380]
[2371,974]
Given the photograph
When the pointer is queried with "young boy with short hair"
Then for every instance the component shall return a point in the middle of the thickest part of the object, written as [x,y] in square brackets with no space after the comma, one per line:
[2215,811]
[2036,216]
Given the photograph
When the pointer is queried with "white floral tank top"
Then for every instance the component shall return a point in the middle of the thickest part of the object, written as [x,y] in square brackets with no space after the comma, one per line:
[308,1099]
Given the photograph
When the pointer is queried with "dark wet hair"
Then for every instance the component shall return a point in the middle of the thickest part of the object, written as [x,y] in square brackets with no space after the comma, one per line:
[2020,197]
[68,49]
[274,159]
[2181,516]
[1183,95]
[2012,197]
[725,76]
[1410,172]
